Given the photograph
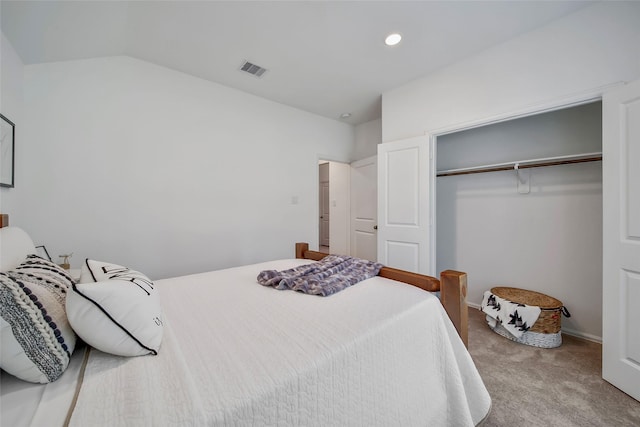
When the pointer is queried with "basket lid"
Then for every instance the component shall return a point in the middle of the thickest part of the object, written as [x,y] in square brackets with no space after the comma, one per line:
[523,296]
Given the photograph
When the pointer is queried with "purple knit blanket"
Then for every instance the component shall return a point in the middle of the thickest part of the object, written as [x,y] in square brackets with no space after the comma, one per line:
[325,277]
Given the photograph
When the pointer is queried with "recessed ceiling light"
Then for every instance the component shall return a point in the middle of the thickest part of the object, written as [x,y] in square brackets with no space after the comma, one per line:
[393,39]
[345,115]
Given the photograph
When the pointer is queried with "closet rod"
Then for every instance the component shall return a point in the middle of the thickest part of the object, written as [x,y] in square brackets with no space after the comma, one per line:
[524,164]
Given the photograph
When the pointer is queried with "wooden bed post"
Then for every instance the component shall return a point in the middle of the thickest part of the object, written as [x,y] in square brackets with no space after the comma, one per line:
[453,294]
[301,248]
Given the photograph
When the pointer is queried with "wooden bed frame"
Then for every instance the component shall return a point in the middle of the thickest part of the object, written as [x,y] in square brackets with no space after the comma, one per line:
[452,286]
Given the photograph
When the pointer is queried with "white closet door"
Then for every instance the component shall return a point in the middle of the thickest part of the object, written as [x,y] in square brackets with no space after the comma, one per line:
[621,239]
[403,204]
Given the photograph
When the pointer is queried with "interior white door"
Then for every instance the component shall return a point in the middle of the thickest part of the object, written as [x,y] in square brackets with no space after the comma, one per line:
[364,208]
[403,204]
[621,238]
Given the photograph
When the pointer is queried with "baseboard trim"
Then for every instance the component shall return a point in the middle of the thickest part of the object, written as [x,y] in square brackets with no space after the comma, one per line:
[566,331]
[582,335]
[473,305]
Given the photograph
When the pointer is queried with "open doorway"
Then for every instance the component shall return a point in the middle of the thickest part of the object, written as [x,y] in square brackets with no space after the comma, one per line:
[519,203]
[324,213]
[333,207]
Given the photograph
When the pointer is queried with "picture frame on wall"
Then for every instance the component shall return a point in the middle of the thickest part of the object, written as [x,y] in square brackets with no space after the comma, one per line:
[7,151]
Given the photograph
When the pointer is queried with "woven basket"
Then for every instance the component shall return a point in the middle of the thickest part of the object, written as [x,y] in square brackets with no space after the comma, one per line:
[545,332]
[535,339]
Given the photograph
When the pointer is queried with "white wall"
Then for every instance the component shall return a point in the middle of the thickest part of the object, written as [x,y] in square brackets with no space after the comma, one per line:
[595,47]
[557,133]
[367,137]
[549,240]
[137,164]
[11,71]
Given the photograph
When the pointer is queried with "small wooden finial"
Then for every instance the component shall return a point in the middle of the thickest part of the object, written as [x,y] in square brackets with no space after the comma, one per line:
[65,261]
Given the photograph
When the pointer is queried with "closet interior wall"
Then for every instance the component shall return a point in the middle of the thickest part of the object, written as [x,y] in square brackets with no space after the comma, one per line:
[544,234]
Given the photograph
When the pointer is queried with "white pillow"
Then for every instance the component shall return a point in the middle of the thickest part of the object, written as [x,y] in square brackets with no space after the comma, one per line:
[116,310]
[36,338]
[16,245]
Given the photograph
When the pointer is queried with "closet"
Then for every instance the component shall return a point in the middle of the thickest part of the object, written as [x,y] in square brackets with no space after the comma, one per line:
[519,203]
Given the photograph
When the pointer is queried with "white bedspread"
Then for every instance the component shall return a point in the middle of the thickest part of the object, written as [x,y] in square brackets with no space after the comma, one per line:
[24,404]
[236,353]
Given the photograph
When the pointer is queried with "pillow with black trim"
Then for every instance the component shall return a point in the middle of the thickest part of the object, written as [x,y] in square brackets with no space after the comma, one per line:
[116,310]
[36,338]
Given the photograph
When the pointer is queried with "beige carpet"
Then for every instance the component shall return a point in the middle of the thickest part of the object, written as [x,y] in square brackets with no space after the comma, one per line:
[531,386]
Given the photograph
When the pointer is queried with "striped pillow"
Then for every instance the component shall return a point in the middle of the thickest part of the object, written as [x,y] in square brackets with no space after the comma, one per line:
[37,340]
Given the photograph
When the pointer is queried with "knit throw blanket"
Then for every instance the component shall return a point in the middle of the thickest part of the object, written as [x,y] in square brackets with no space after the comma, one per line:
[515,318]
[325,277]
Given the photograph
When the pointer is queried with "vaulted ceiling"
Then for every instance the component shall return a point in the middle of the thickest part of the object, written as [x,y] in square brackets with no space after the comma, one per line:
[324,57]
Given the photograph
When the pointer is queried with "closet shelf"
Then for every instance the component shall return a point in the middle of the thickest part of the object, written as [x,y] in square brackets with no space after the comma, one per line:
[524,164]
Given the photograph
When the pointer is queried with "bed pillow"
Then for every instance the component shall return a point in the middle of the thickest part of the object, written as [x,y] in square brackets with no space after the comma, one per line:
[116,310]
[36,338]
[16,245]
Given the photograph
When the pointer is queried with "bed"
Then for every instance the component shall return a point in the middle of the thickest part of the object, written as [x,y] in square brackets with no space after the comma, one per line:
[237,353]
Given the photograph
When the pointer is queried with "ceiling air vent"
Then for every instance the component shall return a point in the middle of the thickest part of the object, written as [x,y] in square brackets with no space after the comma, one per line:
[253,69]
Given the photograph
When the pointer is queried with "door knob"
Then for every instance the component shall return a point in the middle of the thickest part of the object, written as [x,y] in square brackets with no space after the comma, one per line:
[375,227]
